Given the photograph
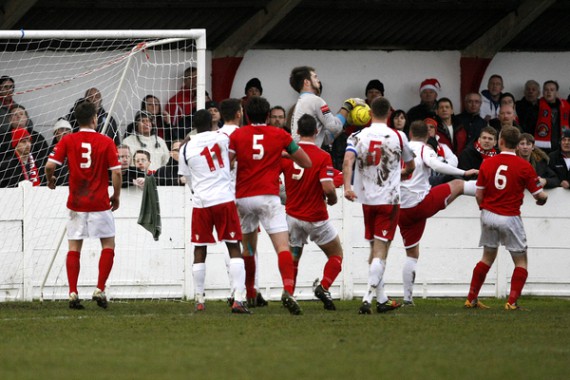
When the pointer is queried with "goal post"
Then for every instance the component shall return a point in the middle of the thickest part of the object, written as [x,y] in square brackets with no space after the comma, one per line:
[51,70]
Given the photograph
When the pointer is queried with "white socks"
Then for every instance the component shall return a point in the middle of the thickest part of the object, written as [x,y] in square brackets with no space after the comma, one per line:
[199,276]
[237,275]
[409,277]
[375,274]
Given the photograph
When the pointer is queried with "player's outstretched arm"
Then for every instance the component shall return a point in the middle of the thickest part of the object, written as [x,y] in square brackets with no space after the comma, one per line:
[347,165]
[49,171]
[117,179]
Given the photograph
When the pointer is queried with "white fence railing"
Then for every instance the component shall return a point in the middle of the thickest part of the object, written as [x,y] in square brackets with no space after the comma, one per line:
[32,221]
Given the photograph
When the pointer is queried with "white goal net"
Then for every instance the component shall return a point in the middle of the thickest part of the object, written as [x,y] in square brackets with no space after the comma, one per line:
[43,75]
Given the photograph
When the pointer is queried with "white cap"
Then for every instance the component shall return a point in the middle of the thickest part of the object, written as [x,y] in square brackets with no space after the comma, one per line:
[62,123]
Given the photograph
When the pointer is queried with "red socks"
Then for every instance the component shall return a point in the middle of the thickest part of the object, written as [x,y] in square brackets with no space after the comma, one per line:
[479,275]
[105,266]
[517,282]
[286,268]
[249,263]
[331,271]
[295,272]
[73,266]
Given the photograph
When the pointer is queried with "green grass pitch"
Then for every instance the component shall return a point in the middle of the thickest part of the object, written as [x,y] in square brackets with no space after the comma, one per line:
[437,339]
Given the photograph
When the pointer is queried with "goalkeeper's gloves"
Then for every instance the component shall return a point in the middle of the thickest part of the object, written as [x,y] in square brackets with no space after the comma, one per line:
[350,103]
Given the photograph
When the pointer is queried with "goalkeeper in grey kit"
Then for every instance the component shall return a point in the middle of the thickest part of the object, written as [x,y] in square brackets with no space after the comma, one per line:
[305,81]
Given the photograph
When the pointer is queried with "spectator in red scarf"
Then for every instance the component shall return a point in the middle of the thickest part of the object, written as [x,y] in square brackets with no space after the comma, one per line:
[553,117]
[484,147]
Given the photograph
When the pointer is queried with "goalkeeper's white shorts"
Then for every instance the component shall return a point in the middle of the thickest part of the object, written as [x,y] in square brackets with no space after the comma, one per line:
[500,229]
[83,225]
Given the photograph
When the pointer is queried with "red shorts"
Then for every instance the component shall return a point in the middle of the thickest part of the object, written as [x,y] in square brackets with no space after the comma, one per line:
[412,221]
[380,221]
[224,217]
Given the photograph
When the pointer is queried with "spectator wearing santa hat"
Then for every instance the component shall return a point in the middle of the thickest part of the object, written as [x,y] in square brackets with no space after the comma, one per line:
[429,90]
[21,166]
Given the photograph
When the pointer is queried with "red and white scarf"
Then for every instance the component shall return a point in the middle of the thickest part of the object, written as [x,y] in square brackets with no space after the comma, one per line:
[484,153]
[31,175]
[543,130]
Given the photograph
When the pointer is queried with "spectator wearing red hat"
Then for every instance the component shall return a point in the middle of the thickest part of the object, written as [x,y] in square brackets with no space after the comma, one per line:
[22,166]
[18,117]
[429,90]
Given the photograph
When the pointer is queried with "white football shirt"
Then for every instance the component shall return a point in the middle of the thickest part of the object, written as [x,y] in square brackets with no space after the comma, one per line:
[379,151]
[206,160]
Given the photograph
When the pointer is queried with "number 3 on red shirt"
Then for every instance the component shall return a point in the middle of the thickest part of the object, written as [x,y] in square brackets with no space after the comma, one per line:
[85,154]
[374,153]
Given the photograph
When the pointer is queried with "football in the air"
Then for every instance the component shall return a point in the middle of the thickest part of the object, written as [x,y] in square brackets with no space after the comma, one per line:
[359,116]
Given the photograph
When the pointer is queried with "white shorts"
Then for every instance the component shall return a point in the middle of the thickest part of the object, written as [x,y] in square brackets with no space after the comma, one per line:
[266,209]
[82,225]
[321,233]
[499,229]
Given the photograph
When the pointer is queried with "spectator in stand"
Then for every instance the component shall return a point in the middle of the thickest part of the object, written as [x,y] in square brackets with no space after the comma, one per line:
[443,153]
[160,120]
[184,102]
[167,175]
[142,169]
[145,138]
[21,166]
[429,90]
[252,88]
[470,119]
[278,118]
[60,129]
[374,89]
[560,160]
[214,110]
[18,118]
[506,119]
[126,160]
[483,148]
[538,160]
[93,95]
[553,117]
[491,97]
[449,132]
[398,120]
[527,107]
[7,86]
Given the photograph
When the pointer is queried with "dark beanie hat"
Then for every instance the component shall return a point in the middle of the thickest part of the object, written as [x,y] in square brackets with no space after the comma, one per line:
[375,83]
[211,104]
[254,82]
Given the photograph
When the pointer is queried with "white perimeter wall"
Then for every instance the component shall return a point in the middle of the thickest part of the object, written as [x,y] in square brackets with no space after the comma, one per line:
[147,269]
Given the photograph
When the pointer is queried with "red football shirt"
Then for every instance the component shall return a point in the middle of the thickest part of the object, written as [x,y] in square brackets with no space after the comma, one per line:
[258,152]
[90,156]
[504,178]
[305,198]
